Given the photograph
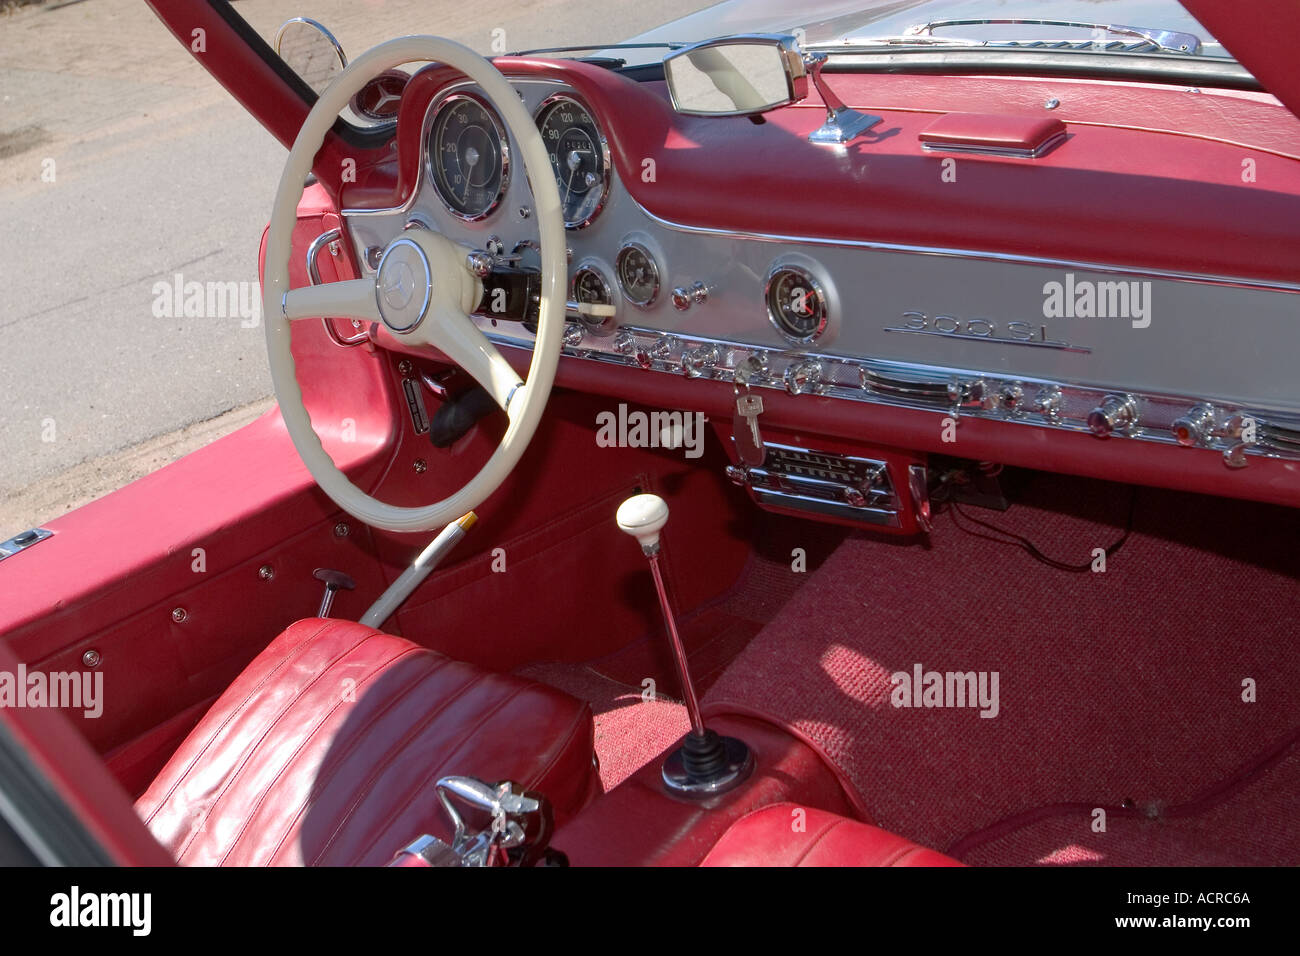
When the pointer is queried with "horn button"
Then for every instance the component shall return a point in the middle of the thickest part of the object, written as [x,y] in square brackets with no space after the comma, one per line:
[403,285]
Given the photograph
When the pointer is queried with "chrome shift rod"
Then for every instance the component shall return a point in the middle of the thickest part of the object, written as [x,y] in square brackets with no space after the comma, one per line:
[705,763]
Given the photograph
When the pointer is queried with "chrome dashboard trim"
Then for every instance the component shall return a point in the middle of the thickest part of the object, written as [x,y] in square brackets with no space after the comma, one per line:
[950,392]
[957,253]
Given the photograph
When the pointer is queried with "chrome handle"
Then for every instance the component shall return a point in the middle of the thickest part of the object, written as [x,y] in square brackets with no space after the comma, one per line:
[322,241]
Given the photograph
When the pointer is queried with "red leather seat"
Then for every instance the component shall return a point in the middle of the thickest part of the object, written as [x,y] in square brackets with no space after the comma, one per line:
[767,837]
[325,750]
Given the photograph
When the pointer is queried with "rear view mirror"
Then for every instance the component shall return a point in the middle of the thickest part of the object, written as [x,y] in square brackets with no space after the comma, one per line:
[736,76]
[311,51]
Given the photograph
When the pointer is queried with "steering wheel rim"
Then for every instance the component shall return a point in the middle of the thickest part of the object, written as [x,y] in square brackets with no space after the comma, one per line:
[452,291]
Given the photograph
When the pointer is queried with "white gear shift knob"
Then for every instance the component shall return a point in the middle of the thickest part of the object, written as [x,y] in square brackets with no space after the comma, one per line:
[643,517]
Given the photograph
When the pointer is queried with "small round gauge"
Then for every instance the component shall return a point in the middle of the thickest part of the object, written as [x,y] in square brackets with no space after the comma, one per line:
[468,156]
[796,303]
[591,288]
[579,157]
[638,276]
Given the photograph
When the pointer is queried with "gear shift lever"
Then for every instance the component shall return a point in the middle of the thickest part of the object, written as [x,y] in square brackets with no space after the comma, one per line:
[705,763]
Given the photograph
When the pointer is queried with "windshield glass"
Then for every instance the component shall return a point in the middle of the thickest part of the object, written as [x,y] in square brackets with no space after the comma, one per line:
[632,33]
[1147,24]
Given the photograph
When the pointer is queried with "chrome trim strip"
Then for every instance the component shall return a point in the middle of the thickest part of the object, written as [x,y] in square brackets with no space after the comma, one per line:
[1038,402]
[955,253]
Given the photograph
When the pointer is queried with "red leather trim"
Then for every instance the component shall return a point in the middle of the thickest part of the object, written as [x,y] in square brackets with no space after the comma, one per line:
[79,777]
[992,131]
[722,708]
[639,824]
[325,751]
[768,837]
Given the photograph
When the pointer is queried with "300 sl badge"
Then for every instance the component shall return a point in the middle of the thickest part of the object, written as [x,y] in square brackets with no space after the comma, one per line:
[982,330]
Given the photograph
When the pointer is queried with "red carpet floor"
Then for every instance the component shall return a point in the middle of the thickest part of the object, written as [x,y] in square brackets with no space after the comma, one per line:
[1115,689]
[630,731]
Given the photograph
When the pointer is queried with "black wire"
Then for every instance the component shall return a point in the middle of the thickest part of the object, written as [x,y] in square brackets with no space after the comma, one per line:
[1032,549]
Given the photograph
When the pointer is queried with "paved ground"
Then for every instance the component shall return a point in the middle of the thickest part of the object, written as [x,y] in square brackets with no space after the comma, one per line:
[122,163]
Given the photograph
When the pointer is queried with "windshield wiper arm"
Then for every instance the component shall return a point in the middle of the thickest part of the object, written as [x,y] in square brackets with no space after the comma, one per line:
[1168,41]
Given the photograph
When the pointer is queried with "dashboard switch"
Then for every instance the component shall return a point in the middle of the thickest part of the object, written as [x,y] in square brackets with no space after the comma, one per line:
[803,377]
[686,296]
[697,361]
[1194,428]
[1116,413]
[1048,402]
[1011,396]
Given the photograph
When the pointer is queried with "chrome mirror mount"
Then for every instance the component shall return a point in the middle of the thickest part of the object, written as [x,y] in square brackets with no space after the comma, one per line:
[749,74]
[311,51]
[843,123]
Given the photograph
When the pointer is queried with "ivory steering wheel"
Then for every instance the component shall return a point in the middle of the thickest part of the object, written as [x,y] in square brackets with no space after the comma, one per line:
[423,292]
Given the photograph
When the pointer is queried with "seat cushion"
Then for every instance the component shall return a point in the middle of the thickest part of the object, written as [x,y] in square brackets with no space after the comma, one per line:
[768,837]
[325,751]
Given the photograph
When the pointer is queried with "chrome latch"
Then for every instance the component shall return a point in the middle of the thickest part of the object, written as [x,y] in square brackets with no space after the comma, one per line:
[519,826]
[23,541]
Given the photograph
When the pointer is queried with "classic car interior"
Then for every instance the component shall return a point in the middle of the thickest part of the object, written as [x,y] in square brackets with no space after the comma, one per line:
[781,449]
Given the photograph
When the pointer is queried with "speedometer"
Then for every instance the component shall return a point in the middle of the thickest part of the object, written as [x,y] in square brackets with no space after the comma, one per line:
[579,157]
[468,156]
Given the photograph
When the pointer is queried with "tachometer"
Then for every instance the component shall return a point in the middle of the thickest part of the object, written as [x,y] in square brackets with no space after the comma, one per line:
[579,156]
[468,156]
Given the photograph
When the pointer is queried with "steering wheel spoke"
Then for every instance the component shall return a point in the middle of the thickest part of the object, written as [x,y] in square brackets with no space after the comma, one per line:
[455,335]
[348,299]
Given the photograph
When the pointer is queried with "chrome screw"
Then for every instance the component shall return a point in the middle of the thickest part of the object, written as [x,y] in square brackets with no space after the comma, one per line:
[179,615]
[421,466]
[266,572]
[91,658]
[342,530]
[1052,103]
[404,367]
